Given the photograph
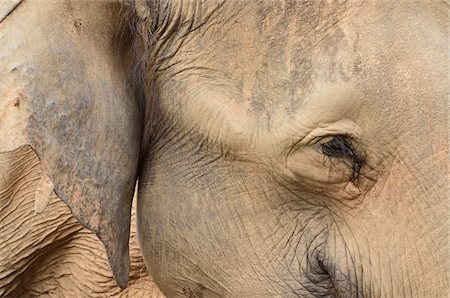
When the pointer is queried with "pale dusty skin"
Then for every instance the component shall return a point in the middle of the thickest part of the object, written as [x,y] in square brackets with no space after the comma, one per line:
[283,148]
[50,254]
[238,191]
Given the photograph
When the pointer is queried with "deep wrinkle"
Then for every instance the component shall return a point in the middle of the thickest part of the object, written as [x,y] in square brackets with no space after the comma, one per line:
[8,8]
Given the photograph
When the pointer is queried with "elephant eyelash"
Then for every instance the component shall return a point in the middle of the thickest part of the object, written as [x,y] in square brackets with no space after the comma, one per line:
[340,146]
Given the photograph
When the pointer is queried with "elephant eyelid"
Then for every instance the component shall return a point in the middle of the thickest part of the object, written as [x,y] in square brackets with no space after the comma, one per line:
[340,146]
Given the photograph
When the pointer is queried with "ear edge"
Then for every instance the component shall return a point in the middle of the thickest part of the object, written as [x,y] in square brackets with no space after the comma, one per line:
[114,236]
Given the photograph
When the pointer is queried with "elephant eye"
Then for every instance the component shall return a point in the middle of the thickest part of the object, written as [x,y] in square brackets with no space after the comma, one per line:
[340,146]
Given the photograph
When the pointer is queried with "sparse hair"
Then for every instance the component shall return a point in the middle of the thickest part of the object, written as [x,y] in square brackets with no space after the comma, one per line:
[136,28]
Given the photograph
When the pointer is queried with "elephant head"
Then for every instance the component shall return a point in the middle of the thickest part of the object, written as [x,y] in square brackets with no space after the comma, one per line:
[282,148]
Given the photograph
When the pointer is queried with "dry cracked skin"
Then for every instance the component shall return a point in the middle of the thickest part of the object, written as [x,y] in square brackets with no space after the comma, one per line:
[50,254]
[283,148]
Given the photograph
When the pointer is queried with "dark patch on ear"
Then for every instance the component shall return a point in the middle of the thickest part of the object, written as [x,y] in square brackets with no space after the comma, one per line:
[76,110]
[341,147]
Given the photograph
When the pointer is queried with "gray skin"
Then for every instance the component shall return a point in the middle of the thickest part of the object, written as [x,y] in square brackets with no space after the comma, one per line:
[283,148]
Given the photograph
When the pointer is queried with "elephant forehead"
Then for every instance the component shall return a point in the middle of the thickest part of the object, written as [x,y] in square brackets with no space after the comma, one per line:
[251,71]
[269,52]
[255,68]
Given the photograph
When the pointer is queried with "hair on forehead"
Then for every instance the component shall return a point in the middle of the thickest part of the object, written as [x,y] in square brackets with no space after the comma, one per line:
[136,31]
[136,28]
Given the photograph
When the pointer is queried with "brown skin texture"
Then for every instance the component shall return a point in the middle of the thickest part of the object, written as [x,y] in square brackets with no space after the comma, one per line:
[65,92]
[50,254]
[238,199]
[240,194]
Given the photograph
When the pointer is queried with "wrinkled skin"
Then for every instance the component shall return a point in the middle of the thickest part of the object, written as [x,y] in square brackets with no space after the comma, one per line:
[238,198]
[50,254]
[283,148]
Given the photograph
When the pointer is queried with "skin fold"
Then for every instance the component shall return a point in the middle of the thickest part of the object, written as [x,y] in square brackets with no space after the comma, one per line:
[50,254]
[283,148]
[238,198]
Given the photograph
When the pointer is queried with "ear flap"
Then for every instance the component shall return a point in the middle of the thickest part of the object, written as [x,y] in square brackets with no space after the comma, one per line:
[63,90]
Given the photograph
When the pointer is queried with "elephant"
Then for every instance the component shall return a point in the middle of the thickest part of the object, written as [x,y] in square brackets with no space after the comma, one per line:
[281,148]
[49,254]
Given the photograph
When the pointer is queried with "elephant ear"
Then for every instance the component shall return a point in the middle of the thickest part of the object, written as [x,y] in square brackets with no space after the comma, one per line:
[64,92]
[6,7]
